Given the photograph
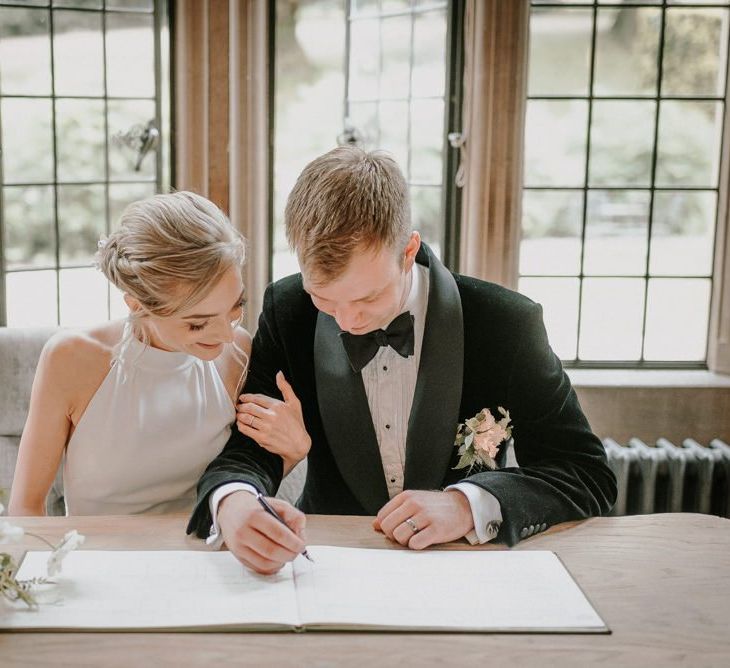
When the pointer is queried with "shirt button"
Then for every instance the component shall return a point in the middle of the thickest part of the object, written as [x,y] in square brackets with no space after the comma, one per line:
[392,480]
[387,426]
[385,368]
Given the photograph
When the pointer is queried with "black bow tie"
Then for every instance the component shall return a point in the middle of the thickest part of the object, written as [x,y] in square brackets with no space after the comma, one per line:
[361,348]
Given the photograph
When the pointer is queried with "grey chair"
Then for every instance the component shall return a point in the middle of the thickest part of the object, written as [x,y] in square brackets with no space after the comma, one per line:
[19,352]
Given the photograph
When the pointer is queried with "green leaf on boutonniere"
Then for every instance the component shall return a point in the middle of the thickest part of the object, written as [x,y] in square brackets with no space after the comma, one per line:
[464,461]
[473,423]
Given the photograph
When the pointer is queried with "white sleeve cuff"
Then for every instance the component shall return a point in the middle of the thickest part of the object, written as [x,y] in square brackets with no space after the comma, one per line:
[215,539]
[485,510]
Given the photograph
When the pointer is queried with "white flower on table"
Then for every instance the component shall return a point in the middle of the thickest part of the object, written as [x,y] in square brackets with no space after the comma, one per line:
[9,533]
[70,542]
[13,589]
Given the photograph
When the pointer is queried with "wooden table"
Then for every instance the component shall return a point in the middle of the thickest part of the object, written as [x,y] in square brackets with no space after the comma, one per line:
[661,582]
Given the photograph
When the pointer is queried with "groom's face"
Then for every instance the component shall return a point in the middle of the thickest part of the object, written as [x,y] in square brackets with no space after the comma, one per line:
[371,291]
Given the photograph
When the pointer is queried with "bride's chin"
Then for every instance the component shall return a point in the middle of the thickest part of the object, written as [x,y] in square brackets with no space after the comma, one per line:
[207,352]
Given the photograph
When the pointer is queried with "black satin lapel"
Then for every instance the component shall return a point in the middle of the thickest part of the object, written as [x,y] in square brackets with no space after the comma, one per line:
[346,417]
[435,412]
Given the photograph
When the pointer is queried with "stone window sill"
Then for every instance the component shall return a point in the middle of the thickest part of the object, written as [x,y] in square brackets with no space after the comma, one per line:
[660,378]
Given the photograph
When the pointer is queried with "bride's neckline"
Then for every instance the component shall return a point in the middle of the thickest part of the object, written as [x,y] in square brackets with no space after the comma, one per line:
[149,357]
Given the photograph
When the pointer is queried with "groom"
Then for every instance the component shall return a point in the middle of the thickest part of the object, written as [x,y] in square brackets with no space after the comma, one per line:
[388,352]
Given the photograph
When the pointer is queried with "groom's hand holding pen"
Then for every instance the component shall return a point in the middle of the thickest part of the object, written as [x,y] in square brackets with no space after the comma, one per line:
[256,537]
[267,507]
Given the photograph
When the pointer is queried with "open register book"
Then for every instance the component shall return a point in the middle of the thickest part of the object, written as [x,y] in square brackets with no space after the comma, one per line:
[346,588]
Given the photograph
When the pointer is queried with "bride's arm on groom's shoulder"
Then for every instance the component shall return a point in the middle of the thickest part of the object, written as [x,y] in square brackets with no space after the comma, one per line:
[63,373]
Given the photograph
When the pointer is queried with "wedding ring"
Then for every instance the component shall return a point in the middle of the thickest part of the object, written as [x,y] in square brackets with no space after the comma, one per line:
[250,423]
[414,527]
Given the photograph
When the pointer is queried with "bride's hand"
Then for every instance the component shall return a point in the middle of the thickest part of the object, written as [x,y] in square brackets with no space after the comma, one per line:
[277,426]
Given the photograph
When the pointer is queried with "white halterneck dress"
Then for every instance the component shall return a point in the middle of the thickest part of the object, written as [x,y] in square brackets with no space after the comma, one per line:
[155,423]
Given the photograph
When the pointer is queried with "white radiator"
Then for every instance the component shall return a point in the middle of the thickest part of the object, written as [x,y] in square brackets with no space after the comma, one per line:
[670,478]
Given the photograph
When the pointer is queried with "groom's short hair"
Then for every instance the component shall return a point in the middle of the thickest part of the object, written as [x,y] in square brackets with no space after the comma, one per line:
[345,200]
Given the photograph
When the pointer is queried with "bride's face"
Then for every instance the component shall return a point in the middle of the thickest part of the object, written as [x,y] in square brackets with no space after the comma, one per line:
[203,329]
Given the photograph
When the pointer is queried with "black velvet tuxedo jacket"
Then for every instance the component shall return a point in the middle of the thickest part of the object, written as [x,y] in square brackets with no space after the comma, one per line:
[483,346]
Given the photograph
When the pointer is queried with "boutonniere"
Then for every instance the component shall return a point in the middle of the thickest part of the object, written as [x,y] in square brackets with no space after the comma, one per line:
[479,438]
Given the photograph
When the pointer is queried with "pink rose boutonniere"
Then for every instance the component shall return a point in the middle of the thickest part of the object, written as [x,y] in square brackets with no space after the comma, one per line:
[479,438]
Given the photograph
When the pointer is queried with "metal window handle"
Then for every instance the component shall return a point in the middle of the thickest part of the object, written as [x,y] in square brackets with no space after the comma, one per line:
[350,136]
[142,139]
[149,140]
[456,139]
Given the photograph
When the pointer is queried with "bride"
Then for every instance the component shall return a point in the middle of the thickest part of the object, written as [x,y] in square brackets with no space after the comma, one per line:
[139,408]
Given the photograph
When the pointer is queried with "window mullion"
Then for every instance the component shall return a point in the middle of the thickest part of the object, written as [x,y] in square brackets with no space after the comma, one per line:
[652,178]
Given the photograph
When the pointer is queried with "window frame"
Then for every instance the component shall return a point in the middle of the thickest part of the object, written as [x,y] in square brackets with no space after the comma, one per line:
[493,238]
[657,97]
[452,193]
[160,17]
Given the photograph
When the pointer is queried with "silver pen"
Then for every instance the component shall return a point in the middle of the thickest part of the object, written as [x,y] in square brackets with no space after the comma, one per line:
[265,505]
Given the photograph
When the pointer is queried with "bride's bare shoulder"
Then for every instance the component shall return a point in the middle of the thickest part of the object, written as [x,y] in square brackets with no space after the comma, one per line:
[81,352]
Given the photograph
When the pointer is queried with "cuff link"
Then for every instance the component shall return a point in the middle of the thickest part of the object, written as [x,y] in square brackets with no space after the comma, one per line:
[492,529]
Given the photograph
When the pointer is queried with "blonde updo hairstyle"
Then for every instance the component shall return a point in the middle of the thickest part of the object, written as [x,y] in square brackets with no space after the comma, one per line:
[168,252]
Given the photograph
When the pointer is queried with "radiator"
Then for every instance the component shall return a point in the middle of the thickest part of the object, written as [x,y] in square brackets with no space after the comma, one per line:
[669,478]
